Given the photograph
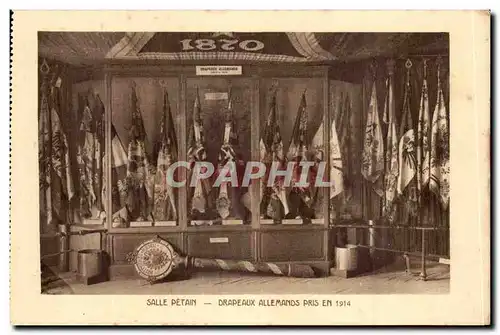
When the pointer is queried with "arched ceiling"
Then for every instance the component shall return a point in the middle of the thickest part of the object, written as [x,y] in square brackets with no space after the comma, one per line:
[85,48]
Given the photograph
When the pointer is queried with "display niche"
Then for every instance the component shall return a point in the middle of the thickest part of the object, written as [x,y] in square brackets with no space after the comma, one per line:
[218,113]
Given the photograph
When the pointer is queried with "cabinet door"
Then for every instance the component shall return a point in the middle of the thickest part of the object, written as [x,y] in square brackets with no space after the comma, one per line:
[214,96]
[300,115]
[147,200]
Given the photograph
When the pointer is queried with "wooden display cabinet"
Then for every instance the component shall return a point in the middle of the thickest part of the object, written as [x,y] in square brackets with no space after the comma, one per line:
[305,243]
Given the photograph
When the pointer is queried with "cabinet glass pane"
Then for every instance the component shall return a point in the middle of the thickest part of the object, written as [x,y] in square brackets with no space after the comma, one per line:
[295,105]
[145,144]
[218,113]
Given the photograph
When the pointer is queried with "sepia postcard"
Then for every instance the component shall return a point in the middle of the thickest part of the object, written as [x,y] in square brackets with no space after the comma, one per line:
[250,168]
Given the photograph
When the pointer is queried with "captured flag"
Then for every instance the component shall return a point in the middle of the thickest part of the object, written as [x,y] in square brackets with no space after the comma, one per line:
[200,199]
[90,154]
[391,154]
[56,183]
[274,203]
[440,151]
[336,172]
[406,185]
[373,149]
[139,196]
[165,207]
[119,163]
[423,138]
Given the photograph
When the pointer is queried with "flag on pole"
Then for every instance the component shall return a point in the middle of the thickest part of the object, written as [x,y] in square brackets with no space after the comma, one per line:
[406,184]
[300,196]
[200,198]
[119,191]
[274,203]
[423,137]
[55,175]
[336,158]
[45,155]
[226,155]
[165,207]
[391,154]
[373,149]
[139,197]
[440,150]
[89,155]
[344,135]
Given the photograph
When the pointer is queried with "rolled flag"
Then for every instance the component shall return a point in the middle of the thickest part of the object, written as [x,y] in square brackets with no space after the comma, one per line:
[391,154]
[200,201]
[423,137]
[373,147]
[139,196]
[165,207]
[440,150]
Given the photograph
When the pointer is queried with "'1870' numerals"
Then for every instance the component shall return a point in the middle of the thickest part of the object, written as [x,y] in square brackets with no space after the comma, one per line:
[206,44]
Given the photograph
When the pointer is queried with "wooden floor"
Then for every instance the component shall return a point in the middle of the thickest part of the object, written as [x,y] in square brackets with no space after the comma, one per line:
[392,279]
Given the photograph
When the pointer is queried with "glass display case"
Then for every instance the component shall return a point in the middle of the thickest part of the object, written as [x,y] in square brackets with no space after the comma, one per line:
[219,131]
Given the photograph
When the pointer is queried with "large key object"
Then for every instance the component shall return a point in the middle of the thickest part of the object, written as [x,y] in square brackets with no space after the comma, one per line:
[155,259]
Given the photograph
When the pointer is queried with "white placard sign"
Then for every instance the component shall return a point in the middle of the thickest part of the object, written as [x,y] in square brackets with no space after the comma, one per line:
[219,70]
[219,240]
[216,96]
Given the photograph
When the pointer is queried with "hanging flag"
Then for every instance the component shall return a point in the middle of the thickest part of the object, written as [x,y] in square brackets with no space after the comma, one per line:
[343,127]
[423,137]
[139,197]
[440,150]
[85,158]
[391,155]
[200,199]
[373,149]
[89,156]
[300,196]
[165,207]
[56,180]
[298,147]
[44,155]
[336,171]
[119,187]
[274,203]
[319,156]
[226,155]
[406,185]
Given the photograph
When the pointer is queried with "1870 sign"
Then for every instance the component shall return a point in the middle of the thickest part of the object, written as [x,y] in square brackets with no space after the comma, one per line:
[244,42]
[205,44]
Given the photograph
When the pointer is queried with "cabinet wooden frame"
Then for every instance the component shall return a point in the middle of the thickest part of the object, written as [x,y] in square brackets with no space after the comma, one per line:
[256,74]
